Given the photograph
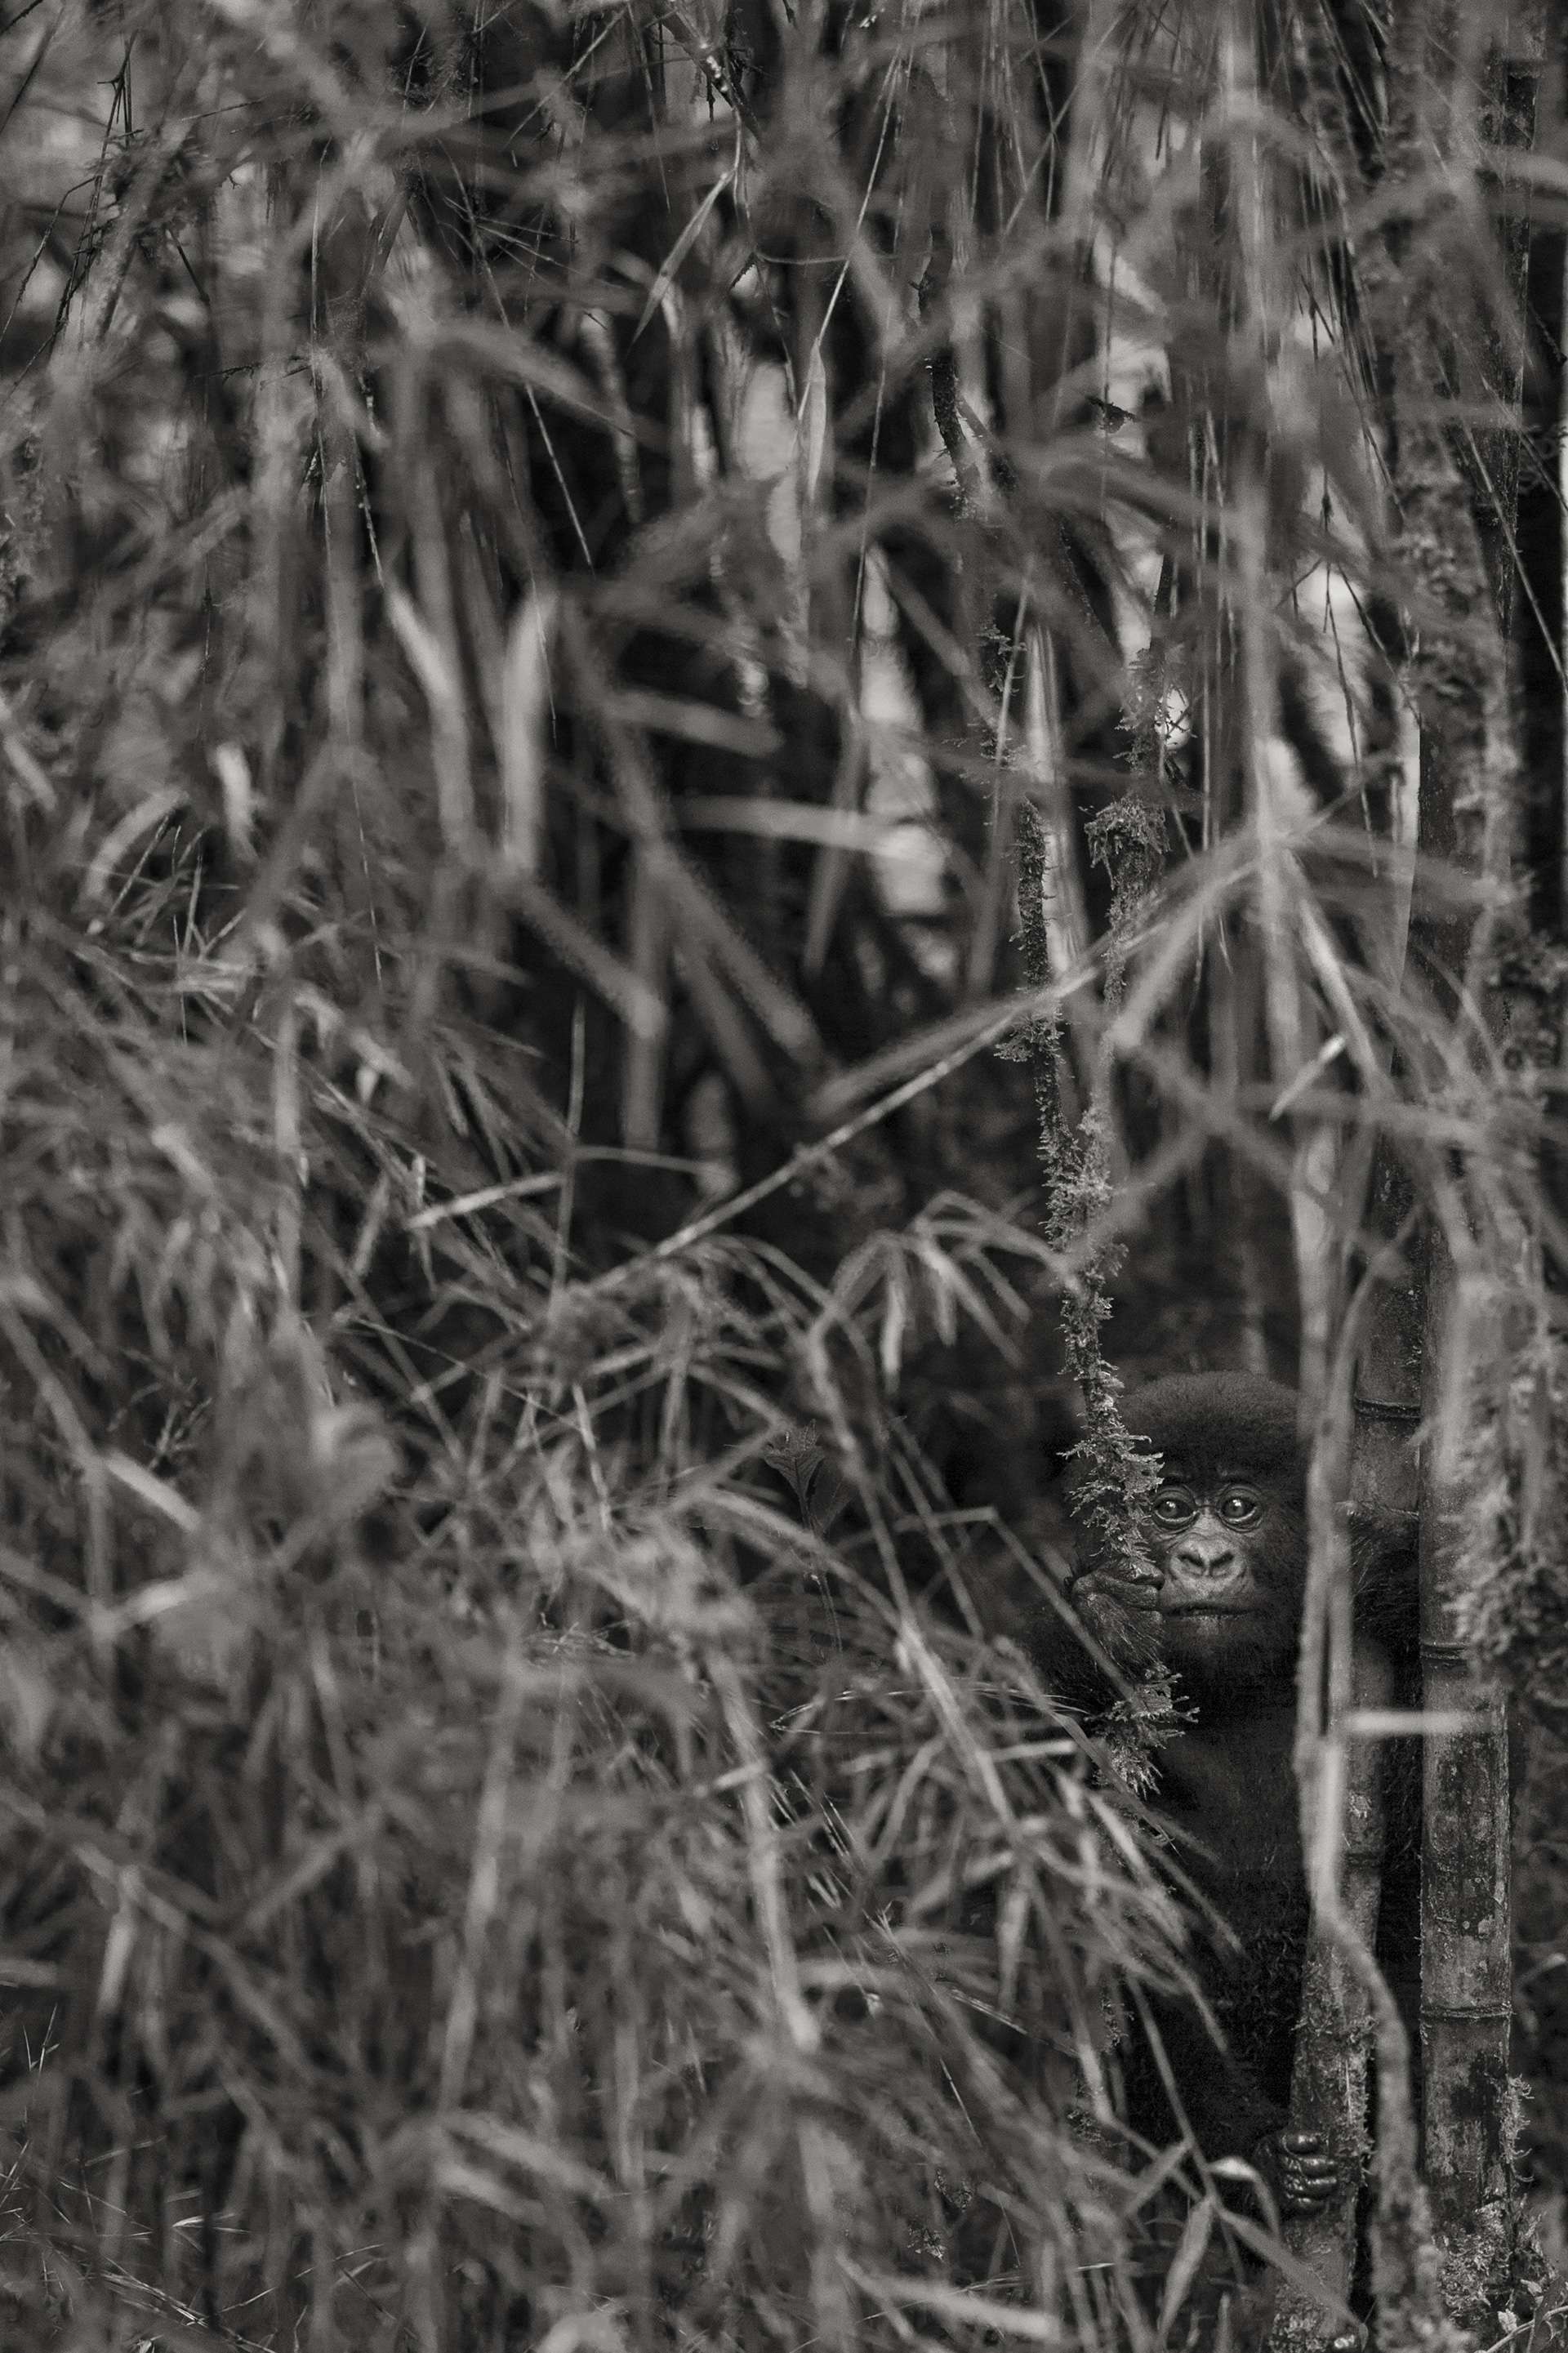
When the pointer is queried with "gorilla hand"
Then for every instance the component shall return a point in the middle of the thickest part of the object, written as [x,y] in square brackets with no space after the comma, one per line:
[1298,2169]
[1121,1612]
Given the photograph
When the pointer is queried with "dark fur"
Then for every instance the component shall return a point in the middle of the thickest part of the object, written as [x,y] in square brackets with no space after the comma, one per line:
[1227,1626]
[1195,1419]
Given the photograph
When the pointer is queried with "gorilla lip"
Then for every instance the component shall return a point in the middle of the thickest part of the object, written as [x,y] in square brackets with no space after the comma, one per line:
[1210,1609]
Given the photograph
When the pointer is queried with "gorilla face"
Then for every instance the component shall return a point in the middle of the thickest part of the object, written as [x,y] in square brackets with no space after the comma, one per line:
[1231,1553]
[1227,1527]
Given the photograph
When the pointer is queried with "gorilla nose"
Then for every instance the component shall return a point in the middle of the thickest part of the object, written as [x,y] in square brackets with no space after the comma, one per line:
[1207,1556]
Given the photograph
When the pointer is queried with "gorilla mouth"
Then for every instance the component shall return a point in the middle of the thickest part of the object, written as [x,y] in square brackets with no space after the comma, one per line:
[1211,1609]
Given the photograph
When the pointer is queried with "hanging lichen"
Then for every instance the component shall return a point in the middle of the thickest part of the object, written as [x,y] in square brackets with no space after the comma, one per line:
[1113,1477]
[1128,840]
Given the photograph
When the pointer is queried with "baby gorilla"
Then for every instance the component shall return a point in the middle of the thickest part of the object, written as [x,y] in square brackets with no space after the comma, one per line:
[1227,1532]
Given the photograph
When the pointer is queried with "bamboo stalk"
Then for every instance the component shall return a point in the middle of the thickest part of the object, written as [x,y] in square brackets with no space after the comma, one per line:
[1467,1983]
[1346,2010]
[1332,2075]
[1458,517]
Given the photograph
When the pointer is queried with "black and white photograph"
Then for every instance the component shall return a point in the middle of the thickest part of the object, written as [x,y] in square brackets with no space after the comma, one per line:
[783,1177]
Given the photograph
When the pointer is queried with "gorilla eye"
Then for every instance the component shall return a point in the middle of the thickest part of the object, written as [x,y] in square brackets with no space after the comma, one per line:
[1173,1507]
[1239,1506]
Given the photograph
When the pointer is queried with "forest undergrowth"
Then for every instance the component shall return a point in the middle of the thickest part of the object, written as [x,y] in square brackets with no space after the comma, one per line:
[596,606]
[540,1876]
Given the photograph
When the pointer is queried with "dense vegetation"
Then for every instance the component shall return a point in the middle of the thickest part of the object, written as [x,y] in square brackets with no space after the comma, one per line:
[598,604]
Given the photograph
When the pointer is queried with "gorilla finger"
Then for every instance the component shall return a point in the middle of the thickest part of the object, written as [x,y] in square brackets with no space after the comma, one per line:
[1121,1591]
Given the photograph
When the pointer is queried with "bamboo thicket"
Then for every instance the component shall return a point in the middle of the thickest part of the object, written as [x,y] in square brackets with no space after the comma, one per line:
[570,574]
